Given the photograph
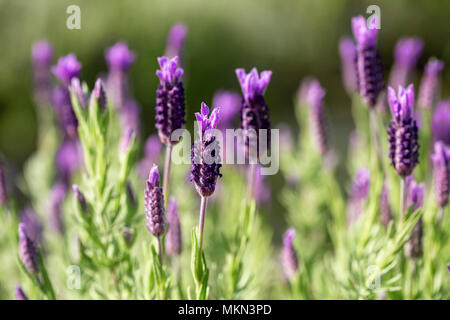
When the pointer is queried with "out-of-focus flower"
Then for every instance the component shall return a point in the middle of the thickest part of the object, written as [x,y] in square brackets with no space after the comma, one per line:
[33,224]
[347,51]
[406,53]
[3,185]
[20,295]
[56,199]
[152,153]
[429,86]
[317,116]
[130,116]
[67,68]
[289,255]
[175,40]
[403,131]
[68,159]
[441,163]
[358,195]
[414,198]
[441,122]
[385,207]
[98,94]
[261,189]
[154,204]
[229,103]
[28,250]
[80,199]
[42,56]
[173,237]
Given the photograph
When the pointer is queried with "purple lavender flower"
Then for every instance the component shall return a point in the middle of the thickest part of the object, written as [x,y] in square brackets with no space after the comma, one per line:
[173,237]
[414,198]
[98,93]
[289,255]
[303,89]
[79,198]
[33,224]
[130,116]
[67,159]
[254,111]
[205,153]
[358,195]
[154,204]
[347,51]
[125,141]
[169,99]
[56,199]
[441,163]
[369,70]
[20,295]
[3,185]
[407,52]
[75,86]
[402,131]
[28,250]
[42,55]
[429,85]
[317,116]
[175,41]
[119,58]
[441,122]
[229,103]
[67,120]
[152,153]
[67,68]
[385,207]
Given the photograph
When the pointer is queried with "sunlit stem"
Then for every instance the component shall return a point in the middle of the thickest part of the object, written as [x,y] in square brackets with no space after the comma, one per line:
[201,222]
[251,182]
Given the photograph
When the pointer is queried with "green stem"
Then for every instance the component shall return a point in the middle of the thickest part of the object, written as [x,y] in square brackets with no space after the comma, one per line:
[201,223]
[402,198]
[167,174]
[251,182]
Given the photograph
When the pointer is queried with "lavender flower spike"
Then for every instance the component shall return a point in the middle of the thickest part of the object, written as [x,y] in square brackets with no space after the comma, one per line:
[317,116]
[28,250]
[441,122]
[406,53]
[56,199]
[205,153]
[230,103]
[33,224]
[347,50]
[254,111]
[175,41]
[67,68]
[173,237]
[402,131]
[414,198]
[441,162]
[98,93]
[429,85]
[369,69]
[154,204]
[20,295]
[169,99]
[42,55]
[358,195]
[289,255]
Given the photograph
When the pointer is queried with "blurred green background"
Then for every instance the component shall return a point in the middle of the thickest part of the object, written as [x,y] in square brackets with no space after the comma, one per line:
[292,38]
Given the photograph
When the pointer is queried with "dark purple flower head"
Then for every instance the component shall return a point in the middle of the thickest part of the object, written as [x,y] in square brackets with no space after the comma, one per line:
[441,122]
[318,122]
[42,54]
[3,185]
[33,224]
[385,207]
[170,108]
[154,204]
[120,57]
[289,255]
[152,153]
[205,153]
[429,86]
[28,250]
[173,237]
[67,68]
[252,84]
[175,41]
[229,104]
[369,70]
[80,199]
[403,131]
[347,51]
[358,195]
[67,159]
[20,295]
[441,163]
[56,199]
[407,52]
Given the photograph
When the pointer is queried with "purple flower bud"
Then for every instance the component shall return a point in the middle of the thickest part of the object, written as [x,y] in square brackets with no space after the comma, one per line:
[56,199]
[66,117]
[67,68]
[254,110]
[229,104]
[205,153]
[120,57]
[385,207]
[347,51]
[3,185]
[79,198]
[441,163]
[173,237]
[289,255]
[441,122]
[152,153]
[154,204]
[358,195]
[98,93]
[415,193]
[318,122]
[403,131]
[33,224]
[42,55]
[128,235]
[369,70]
[175,41]
[20,295]
[28,250]
[75,86]
[407,52]
[428,93]
[67,159]
[169,99]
